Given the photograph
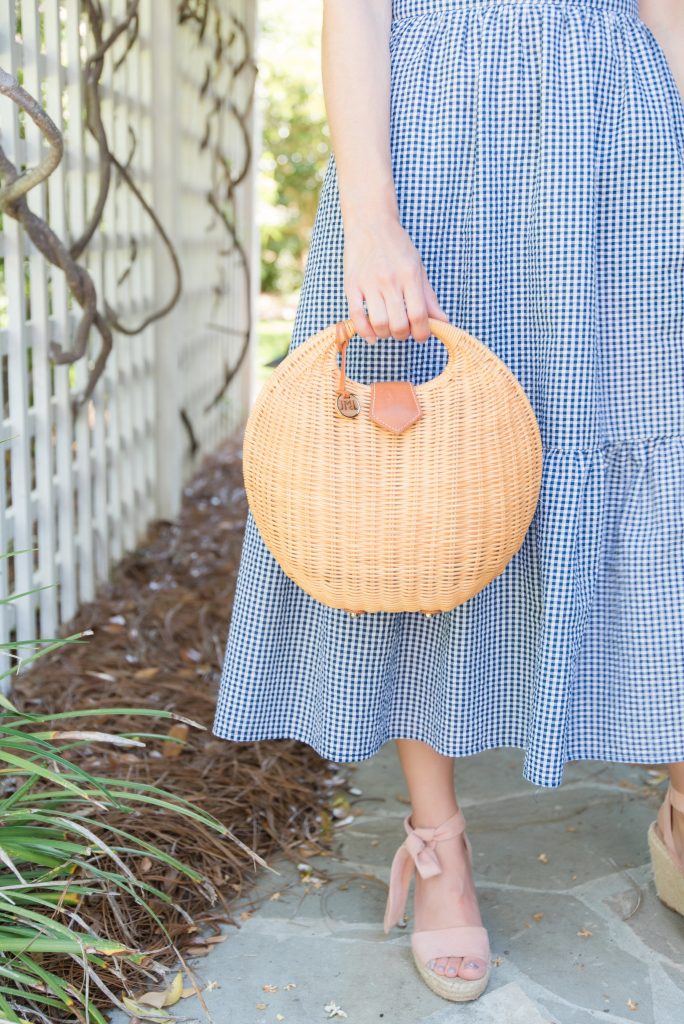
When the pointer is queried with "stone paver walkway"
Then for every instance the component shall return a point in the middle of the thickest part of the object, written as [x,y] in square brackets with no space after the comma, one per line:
[577,932]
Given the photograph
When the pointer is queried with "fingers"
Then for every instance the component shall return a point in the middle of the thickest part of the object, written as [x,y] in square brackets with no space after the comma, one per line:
[398,321]
[416,305]
[357,313]
[398,305]
[377,313]
[433,307]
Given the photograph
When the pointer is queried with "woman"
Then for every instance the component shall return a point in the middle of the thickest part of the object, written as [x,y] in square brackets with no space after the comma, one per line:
[517,168]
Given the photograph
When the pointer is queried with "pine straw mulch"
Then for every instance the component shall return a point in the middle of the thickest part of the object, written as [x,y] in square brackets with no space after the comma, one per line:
[160,627]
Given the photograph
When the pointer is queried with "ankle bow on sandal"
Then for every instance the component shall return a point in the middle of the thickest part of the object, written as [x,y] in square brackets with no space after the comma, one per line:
[668,866]
[418,852]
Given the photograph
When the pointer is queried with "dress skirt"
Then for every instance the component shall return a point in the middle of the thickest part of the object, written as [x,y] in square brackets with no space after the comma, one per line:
[537,150]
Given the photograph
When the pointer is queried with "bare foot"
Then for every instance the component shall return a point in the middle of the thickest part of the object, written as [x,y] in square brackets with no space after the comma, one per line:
[438,904]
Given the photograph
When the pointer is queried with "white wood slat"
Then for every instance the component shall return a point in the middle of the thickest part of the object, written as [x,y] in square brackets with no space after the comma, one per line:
[88,489]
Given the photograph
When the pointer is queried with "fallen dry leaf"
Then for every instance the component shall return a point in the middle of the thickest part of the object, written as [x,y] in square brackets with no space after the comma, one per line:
[632,1005]
[275,896]
[168,997]
[155,999]
[179,731]
[245,915]
[269,988]
[173,992]
[261,1006]
[585,933]
[571,828]
[279,1016]
[105,676]
[544,858]
[146,673]
[190,654]
[334,1010]
[538,916]
[137,1009]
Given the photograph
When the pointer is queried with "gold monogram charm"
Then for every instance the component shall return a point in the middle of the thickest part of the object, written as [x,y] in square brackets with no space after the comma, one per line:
[348,405]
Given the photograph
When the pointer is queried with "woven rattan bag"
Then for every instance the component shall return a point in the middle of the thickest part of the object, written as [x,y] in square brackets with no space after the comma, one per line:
[392,496]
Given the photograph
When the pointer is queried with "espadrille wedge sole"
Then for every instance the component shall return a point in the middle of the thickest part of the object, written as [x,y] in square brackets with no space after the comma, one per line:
[668,868]
[418,851]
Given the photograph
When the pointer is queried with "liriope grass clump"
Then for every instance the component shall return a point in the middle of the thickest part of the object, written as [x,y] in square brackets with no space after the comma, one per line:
[59,850]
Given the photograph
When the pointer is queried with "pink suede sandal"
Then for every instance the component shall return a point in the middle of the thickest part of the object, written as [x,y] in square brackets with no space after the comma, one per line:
[668,866]
[418,851]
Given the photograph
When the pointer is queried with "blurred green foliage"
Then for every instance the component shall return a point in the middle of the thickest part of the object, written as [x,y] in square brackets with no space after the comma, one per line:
[295,139]
[274,339]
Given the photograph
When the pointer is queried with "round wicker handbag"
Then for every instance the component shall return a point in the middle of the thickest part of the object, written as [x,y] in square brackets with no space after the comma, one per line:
[392,496]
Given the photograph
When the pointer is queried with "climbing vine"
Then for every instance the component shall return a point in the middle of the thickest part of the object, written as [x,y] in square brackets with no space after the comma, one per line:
[229,60]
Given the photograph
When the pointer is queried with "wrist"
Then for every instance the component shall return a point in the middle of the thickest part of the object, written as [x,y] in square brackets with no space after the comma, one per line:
[366,205]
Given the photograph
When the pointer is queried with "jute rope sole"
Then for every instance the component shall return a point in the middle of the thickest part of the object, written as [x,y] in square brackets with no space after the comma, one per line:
[669,881]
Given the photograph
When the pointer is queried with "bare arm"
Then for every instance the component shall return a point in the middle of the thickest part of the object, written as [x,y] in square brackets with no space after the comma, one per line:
[381,264]
[665,19]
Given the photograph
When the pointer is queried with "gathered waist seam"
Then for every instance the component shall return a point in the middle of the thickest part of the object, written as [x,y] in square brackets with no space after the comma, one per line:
[402,10]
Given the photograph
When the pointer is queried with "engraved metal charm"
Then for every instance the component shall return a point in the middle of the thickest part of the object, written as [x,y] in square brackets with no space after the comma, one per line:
[348,405]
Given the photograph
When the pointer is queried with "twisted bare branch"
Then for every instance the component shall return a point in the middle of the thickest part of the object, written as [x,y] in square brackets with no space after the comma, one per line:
[23,183]
[202,16]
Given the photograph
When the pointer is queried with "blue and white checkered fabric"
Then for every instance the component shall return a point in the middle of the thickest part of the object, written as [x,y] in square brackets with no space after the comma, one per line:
[538,155]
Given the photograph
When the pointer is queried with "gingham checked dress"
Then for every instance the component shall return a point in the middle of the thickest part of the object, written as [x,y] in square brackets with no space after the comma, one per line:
[538,156]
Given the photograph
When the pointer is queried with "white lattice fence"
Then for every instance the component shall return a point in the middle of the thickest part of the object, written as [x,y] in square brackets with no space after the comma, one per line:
[82,490]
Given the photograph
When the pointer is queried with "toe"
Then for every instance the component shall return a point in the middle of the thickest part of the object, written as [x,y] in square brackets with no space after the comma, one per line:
[472,968]
[453,964]
[439,965]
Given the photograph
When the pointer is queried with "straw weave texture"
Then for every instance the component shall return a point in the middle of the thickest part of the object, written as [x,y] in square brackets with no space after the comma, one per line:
[367,520]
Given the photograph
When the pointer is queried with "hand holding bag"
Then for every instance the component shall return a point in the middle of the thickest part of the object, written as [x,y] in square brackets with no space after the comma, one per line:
[392,496]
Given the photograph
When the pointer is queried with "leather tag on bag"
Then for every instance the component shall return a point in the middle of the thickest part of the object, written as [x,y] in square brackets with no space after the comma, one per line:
[394,404]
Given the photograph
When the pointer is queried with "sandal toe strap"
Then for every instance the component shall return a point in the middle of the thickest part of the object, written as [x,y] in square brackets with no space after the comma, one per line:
[464,940]
[676,798]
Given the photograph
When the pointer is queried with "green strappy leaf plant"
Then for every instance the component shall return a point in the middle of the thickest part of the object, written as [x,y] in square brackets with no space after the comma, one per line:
[57,848]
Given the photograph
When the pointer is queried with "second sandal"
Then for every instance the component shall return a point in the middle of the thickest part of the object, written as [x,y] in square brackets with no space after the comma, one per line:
[668,866]
[418,851]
